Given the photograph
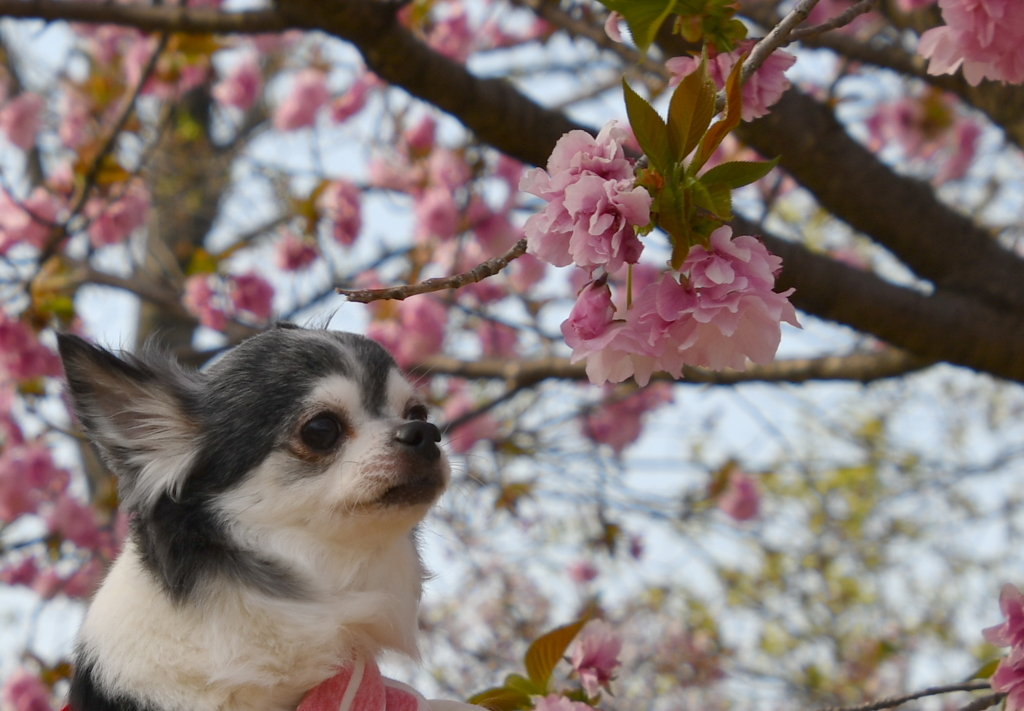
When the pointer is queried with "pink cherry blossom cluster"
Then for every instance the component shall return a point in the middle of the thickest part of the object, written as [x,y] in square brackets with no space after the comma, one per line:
[308,93]
[1009,675]
[20,119]
[340,205]
[764,87]
[593,205]
[213,298]
[927,128]
[458,403]
[717,311]
[414,331]
[985,37]
[30,221]
[114,219]
[22,690]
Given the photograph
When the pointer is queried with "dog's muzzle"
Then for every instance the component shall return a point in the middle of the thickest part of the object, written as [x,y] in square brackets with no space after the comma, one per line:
[423,471]
[421,438]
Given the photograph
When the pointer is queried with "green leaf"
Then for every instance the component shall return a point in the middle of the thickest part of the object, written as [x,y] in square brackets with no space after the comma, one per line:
[985,671]
[649,128]
[733,113]
[737,173]
[721,199]
[518,682]
[501,699]
[673,218]
[644,17]
[690,110]
[544,653]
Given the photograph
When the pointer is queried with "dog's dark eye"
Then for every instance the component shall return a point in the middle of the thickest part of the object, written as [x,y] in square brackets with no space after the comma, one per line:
[321,433]
[416,412]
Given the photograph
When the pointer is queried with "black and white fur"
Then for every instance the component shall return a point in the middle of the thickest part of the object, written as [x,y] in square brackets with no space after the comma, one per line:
[273,498]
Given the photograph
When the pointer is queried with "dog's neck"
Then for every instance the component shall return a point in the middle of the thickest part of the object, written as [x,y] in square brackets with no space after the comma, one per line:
[239,649]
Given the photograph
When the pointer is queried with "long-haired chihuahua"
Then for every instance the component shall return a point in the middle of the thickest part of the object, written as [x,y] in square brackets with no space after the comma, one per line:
[272,498]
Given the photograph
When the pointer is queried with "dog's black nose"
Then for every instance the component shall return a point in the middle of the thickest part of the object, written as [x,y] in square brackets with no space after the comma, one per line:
[421,437]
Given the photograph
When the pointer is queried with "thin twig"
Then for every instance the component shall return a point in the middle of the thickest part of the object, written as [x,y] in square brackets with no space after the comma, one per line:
[478,273]
[893,701]
[778,37]
[841,20]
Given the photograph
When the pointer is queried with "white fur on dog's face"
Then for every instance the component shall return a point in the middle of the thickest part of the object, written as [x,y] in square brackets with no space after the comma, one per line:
[263,552]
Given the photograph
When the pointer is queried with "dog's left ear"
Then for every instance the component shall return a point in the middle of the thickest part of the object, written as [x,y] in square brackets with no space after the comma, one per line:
[136,412]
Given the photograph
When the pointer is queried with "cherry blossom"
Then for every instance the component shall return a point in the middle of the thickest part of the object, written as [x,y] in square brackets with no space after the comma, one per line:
[113,223]
[593,207]
[452,36]
[22,356]
[986,37]
[1011,632]
[307,94]
[354,99]
[293,253]
[83,582]
[741,500]
[242,84]
[22,573]
[20,119]
[420,136]
[496,339]
[202,300]
[23,691]
[30,222]
[340,203]
[557,702]
[618,423]
[417,332]
[252,294]
[525,272]
[595,655]
[73,521]
[437,215]
[481,427]
[74,118]
[762,89]
[1009,679]
[582,571]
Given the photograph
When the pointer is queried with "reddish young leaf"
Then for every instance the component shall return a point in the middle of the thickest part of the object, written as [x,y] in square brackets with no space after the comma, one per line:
[733,113]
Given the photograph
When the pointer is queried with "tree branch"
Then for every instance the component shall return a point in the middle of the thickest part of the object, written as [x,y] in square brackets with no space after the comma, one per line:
[478,273]
[859,367]
[894,701]
[148,18]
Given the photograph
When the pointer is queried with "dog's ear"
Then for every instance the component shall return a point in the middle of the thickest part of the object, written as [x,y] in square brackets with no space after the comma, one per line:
[136,412]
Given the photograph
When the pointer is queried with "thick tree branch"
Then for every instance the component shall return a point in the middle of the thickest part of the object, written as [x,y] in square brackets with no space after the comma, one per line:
[902,214]
[148,18]
[859,367]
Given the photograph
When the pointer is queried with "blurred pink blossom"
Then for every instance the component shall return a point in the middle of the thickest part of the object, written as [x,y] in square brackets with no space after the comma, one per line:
[354,99]
[73,109]
[73,521]
[618,423]
[114,222]
[961,156]
[30,222]
[307,94]
[986,37]
[741,499]
[595,655]
[23,573]
[1011,632]
[556,702]
[591,315]
[525,272]
[396,174]
[84,581]
[437,215]
[420,136]
[242,85]
[23,691]
[202,300]
[582,571]
[417,332]
[1009,679]
[340,203]
[293,253]
[20,119]
[252,294]
[448,169]
[47,584]
[592,208]
[451,36]
[764,88]
[22,356]
[482,427]
[496,339]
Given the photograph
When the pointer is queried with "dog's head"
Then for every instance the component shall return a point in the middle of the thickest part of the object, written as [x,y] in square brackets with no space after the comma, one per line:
[295,443]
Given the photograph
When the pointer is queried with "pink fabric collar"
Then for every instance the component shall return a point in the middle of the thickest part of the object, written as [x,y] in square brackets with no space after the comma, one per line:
[360,687]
